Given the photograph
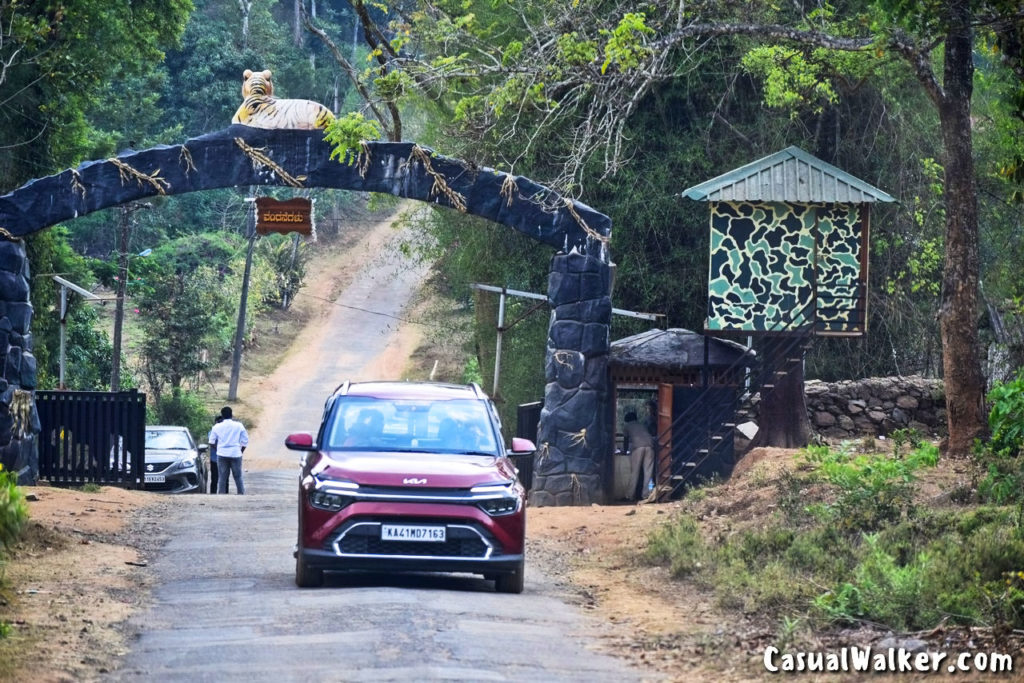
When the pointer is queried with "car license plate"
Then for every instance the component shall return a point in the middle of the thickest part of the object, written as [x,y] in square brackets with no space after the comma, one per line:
[155,479]
[394,532]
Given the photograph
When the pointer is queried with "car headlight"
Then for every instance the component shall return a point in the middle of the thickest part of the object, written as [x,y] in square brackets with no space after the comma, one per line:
[500,500]
[496,507]
[325,500]
[186,463]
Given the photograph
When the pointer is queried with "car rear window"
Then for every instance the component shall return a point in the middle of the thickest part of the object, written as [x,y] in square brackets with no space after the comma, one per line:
[444,426]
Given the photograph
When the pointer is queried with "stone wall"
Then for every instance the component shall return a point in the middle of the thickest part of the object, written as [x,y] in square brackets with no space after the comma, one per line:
[19,421]
[876,406]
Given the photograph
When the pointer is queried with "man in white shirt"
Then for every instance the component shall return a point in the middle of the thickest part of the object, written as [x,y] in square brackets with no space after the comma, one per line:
[230,438]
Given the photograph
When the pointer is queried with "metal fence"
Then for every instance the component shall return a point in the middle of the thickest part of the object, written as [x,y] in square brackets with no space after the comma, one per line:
[92,437]
[527,419]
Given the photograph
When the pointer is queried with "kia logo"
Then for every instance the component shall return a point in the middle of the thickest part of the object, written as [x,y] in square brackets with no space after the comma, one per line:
[414,480]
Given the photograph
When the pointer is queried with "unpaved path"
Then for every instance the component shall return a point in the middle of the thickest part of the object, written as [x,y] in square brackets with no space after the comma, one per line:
[224,606]
[354,337]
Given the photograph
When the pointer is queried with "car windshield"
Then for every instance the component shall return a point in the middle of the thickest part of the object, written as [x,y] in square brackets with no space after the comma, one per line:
[443,426]
[167,438]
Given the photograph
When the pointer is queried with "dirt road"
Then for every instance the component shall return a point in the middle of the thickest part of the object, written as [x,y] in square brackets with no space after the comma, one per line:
[224,606]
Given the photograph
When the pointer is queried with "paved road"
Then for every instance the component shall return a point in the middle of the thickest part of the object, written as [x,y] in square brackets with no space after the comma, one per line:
[225,607]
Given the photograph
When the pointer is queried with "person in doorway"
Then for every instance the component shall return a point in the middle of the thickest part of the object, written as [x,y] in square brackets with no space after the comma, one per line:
[640,446]
[230,438]
[652,416]
[213,456]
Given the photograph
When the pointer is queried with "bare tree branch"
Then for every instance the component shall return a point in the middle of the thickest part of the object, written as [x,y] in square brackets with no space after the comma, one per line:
[386,122]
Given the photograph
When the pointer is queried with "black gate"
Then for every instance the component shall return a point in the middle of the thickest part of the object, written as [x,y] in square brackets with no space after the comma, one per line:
[527,419]
[92,437]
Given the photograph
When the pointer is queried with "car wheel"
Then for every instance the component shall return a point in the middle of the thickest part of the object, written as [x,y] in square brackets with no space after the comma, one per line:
[511,582]
[306,576]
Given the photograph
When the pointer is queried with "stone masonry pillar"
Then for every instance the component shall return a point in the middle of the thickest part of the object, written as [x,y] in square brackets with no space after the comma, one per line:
[573,435]
[19,421]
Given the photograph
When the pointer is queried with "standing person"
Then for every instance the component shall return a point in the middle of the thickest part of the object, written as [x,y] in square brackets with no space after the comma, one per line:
[213,456]
[230,437]
[652,417]
[640,446]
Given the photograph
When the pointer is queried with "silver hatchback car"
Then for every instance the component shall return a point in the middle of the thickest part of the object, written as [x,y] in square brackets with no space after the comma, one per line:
[174,462]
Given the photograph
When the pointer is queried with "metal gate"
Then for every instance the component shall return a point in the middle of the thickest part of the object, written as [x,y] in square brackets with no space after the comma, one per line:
[527,419]
[92,437]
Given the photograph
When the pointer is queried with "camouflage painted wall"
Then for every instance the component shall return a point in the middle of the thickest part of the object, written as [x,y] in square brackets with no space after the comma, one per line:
[769,261]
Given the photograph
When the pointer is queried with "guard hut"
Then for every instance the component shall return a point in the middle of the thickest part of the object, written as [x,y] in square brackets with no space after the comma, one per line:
[677,381]
[788,261]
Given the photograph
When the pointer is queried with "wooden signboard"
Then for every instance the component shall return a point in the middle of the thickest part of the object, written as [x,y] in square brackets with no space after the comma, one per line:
[284,216]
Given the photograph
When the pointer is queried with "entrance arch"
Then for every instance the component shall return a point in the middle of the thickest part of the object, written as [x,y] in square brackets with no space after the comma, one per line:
[574,432]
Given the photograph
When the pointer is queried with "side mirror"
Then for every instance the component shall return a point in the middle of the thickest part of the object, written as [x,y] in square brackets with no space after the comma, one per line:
[301,441]
[203,447]
[521,445]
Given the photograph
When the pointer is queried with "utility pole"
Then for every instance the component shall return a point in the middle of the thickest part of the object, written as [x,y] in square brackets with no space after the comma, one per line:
[236,358]
[497,344]
[122,280]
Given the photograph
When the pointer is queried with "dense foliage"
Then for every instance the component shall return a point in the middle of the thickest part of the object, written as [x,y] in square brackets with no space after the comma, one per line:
[1001,459]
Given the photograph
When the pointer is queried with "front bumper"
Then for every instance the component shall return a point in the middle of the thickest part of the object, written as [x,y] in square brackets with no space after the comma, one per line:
[176,480]
[352,539]
[329,560]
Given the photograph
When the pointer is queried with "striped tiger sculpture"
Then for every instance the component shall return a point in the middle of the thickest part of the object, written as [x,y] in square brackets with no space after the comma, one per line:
[260,109]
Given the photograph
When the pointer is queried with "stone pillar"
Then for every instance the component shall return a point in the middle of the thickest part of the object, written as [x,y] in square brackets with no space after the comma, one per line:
[19,421]
[573,435]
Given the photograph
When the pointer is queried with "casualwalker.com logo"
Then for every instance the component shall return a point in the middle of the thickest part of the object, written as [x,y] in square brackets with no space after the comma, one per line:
[889,660]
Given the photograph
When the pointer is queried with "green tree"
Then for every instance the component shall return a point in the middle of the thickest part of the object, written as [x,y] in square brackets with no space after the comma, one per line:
[87,351]
[55,59]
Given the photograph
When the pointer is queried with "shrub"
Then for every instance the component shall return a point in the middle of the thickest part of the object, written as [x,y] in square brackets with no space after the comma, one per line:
[791,493]
[1006,418]
[679,544]
[874,489]
[183,408]
[13,511]
[1001,459]
[963,567]
[769,585]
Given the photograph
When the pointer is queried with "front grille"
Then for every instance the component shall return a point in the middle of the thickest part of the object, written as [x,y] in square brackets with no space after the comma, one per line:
[364,539]
[453,547]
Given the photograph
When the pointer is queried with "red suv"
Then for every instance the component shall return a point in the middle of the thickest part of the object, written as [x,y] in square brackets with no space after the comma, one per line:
[410,476]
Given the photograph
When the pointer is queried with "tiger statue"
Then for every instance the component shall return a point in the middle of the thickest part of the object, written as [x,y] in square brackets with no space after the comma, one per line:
[260,109]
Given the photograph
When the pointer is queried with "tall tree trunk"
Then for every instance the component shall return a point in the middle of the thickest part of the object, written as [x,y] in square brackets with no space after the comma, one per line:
[246,8]
[958,311]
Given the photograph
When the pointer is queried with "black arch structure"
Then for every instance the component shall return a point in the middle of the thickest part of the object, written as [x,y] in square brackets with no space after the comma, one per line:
[575,429]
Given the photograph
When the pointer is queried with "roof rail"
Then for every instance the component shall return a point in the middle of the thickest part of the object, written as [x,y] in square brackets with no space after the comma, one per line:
[477,390]
[342,388]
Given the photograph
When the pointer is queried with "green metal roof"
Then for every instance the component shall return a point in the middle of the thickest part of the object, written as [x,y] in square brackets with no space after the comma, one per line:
[791,175]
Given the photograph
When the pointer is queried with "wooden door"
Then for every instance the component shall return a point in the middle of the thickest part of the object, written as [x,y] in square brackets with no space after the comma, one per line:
[663,473]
